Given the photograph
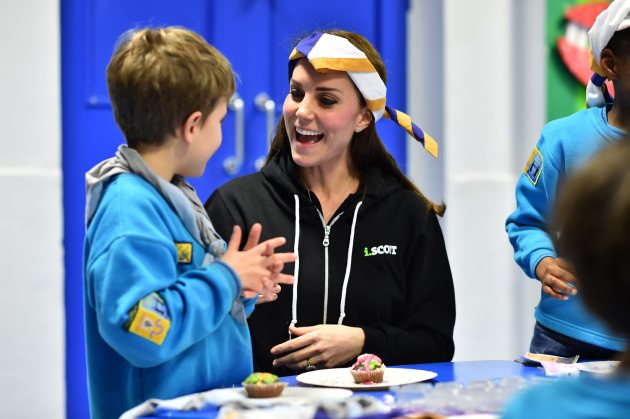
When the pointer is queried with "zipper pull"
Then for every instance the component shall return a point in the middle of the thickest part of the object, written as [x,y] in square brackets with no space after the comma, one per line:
[326,241]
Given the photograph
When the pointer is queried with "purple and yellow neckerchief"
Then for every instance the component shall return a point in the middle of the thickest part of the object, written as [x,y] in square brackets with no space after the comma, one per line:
[615,18]
[330,52]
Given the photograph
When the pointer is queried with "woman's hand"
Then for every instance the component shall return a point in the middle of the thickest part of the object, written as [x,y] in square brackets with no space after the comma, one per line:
[556,278]
[324,346]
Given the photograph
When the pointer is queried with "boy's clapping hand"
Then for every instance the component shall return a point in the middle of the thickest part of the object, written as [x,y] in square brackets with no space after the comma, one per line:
[258,267]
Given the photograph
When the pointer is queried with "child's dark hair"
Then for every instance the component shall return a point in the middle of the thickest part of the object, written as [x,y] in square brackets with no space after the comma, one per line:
[619,43]
[158,77]
[593,216]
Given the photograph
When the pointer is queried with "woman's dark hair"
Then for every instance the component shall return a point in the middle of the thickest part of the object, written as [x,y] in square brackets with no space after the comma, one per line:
[366,148]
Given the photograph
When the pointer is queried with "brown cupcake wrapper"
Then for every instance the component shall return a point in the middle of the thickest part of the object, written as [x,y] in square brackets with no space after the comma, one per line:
[260,391]
[375,376]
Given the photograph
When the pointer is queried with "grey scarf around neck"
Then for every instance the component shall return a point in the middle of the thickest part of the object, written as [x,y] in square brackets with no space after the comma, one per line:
[178,193]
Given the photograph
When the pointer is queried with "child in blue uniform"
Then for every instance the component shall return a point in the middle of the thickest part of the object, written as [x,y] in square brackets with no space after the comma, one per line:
[594,215]
[165,299]
[563,327]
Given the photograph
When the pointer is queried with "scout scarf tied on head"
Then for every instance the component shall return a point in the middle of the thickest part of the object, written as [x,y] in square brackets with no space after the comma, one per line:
[331,52]
[614,18]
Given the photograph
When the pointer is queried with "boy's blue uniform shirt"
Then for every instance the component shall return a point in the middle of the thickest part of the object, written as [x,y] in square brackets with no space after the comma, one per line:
[583,397]
[136,245]
[565,145]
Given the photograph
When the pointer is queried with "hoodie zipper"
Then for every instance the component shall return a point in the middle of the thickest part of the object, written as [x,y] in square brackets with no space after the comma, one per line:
[326,243]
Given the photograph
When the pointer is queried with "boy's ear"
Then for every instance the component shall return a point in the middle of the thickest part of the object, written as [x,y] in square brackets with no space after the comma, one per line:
[191,126]
[608,63]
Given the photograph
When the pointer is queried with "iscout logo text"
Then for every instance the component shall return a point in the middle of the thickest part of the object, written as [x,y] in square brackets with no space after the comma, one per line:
[384,249]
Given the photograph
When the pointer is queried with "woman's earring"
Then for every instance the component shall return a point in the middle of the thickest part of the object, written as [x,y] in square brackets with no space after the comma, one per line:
[358,130]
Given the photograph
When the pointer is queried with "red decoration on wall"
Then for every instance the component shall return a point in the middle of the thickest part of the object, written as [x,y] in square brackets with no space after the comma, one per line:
[573,47]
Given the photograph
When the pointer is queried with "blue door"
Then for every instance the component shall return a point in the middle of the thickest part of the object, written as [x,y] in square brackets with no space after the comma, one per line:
[256,36]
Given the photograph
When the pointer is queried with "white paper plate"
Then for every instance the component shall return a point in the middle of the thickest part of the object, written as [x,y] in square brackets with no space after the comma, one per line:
[300,394]
[598,367]
[342,378]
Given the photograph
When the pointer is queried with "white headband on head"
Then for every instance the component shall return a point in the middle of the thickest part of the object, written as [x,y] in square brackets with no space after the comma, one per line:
[331,52]
[615,18]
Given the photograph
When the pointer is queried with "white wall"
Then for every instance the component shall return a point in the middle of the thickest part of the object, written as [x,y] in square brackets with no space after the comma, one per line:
[31,254]
[476,72]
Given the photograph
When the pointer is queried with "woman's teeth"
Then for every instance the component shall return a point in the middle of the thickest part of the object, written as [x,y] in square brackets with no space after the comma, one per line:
[302,131]
[308,136]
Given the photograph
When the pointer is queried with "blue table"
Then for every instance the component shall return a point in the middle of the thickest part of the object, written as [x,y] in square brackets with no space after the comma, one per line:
[466,371]
[462,372]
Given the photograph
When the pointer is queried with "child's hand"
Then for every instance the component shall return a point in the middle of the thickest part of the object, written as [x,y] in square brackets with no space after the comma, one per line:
[271,293]
[258,267]
[272,288]
[268,295]
[555,276]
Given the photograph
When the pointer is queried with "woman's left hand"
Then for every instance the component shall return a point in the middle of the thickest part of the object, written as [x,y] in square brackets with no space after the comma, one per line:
[323,346]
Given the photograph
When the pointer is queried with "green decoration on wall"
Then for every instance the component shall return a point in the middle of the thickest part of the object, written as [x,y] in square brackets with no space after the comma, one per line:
[568,22]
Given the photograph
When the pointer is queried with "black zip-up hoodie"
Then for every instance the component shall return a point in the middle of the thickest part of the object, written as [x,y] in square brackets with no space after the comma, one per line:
[399,288]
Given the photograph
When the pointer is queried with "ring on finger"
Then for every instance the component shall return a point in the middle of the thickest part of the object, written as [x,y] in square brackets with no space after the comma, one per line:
[309,366]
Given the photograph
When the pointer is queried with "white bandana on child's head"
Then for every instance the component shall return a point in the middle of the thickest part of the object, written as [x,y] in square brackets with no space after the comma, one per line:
[615,18]
[331,52]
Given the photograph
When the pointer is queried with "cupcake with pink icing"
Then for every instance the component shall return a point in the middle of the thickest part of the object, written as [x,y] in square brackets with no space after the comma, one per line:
[368,369]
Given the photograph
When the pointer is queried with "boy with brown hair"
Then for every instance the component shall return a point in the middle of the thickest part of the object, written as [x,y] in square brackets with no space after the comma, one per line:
[165,299]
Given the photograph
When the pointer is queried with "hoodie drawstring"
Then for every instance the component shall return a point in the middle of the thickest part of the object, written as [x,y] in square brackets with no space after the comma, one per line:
[297,263]
[342,305]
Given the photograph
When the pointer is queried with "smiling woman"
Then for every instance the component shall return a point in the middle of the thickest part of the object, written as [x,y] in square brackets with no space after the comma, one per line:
[321,113]
[372,273]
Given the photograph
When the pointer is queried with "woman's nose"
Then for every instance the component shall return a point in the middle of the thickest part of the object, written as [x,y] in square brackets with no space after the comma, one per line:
[305,108]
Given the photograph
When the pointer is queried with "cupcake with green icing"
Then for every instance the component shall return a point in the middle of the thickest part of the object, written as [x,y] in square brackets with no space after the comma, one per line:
[368,369]
[263,384]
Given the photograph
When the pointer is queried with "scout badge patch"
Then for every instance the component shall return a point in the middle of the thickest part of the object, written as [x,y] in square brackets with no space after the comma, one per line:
[534,166]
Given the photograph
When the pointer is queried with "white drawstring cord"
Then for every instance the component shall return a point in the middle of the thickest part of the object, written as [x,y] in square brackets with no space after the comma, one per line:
[297,263]
[342,305]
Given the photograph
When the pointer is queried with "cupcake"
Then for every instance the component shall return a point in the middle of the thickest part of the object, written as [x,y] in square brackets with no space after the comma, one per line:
[262,385]
[368,369]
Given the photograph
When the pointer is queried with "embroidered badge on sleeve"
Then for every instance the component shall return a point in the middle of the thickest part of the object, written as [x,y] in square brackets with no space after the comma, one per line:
[534,166]
[184,252]
[149,319]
